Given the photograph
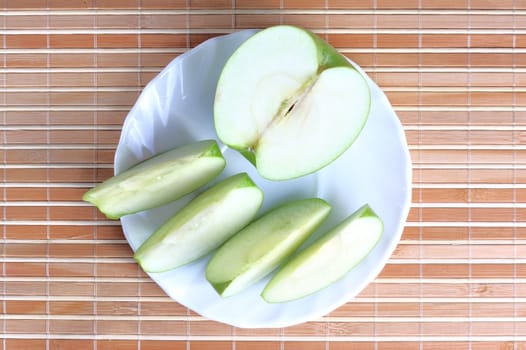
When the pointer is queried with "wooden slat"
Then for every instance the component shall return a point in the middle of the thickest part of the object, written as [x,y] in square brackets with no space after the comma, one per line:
[455,72]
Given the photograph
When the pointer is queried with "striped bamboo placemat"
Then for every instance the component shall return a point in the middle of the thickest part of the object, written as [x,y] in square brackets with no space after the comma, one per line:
[455,72]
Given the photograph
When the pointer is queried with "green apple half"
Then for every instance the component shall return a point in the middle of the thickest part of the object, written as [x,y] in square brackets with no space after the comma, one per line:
[202,225]
[260,247]
[328,259]
[289,102]
[158,180]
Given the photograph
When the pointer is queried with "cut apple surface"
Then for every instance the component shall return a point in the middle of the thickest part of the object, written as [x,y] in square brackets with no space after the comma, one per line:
[328,259]
[202,225]
[261,246]
[289,102]
[158,180]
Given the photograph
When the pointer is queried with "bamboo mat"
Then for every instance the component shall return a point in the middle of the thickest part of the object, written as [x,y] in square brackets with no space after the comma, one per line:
[455,72]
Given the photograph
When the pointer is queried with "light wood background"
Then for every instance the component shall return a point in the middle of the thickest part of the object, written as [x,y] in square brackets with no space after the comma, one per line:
[455,72]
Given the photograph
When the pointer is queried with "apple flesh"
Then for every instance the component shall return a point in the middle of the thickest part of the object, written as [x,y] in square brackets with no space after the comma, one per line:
[260,247]
[327,259]
[158,180]
[289,102]
[202,225]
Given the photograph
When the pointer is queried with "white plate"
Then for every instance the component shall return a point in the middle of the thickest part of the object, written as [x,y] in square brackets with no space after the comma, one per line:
[176,108]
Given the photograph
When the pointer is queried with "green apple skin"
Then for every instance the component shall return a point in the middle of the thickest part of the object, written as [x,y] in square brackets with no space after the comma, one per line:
[158,180]
[202,225]
[261,246]
[294,118]
[329,57]
[326,260]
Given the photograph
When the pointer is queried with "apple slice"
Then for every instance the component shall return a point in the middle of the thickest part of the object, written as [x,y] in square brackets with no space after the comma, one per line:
[260,247]
[158,180]
[202,225]
[328,259]
[289,102]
